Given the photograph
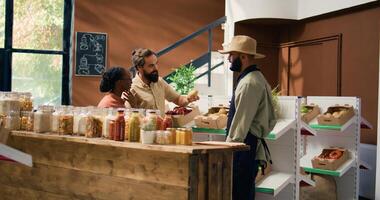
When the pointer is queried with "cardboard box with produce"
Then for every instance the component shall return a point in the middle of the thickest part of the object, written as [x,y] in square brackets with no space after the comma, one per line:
[309,112]
[330,158]
[216,118]
[336,115]
[183,115]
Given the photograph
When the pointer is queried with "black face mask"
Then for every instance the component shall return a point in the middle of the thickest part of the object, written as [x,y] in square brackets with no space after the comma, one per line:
[152,77]
[236,65]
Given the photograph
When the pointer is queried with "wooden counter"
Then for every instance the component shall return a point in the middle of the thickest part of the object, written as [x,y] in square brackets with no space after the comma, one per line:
[68,167]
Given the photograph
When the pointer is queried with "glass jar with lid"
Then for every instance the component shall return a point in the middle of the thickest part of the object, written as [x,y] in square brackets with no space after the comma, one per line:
[55,118]
[66,121]
[26,103]
[106,125]
[127,115]
[25,120]
[134,127]
[9,102]
[42,119]
[76,113]
[120,126]
[150,121]
[12,120]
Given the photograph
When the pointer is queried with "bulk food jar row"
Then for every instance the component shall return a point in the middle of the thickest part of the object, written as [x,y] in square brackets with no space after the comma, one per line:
[134,125]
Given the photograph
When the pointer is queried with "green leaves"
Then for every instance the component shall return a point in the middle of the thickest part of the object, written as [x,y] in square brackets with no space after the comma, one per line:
[183,79]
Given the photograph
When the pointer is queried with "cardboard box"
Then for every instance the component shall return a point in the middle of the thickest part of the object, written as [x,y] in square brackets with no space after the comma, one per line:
[330,117]
[314,111]
[260,175]
[324,162]
[211,121]
[216,109]
[182,120]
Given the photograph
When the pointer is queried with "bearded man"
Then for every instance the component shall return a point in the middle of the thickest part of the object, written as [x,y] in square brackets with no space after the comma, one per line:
[151,88]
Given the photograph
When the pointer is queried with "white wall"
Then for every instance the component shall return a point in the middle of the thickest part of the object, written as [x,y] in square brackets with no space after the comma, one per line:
[238,10]
[309,8]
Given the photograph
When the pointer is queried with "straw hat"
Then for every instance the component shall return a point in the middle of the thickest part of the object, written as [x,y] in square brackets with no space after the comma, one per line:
[242,44]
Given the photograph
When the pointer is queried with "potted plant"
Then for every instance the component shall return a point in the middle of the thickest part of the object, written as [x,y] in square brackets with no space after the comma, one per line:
[183,79]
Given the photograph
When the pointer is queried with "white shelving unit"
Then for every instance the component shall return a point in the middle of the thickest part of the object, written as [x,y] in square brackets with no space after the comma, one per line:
[316,137]
[283,143]
[293,143]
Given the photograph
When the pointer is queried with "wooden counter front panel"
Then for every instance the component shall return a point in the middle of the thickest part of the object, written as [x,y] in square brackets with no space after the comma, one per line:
[87,170]
[74,170]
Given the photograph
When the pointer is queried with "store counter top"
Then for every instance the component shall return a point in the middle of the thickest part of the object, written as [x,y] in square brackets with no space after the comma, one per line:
[71,167]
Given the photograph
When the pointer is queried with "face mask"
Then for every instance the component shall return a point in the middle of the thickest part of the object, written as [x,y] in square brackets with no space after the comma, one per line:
[152,77]
[236,65]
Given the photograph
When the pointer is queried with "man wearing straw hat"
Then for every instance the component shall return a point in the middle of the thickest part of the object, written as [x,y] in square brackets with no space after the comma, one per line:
[251,116]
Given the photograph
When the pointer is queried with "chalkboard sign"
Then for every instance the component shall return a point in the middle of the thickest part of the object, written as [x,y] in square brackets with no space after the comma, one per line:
[91,55]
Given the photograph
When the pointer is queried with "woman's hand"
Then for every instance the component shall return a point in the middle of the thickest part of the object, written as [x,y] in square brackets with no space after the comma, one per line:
[132,97]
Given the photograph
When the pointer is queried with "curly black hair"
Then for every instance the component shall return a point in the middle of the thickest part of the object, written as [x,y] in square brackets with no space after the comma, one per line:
[110,77]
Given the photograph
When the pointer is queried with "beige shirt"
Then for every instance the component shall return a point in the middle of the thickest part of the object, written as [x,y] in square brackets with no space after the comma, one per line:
[254,111]
[153,96]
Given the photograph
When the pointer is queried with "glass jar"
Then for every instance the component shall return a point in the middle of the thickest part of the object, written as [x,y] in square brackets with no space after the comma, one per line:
[42,119]
[172,135]
[127,114]
[66,121]
[82,121]
[106,125]
[30,123]
[163,137]
[55,118]
[120,126]
[76,113]
[25,120]
[87,124]
[160,121]
[9,102]
[12,120]
[160,137]
[98,115]
[179,136]
[150,121]
[167,122]
[188,136]
[210,101]
[26,103]
[134,127]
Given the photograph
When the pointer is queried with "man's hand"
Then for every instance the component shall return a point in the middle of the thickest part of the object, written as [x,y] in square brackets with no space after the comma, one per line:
[192,96]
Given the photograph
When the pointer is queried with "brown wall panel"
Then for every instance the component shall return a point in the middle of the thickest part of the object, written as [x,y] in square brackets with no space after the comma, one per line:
[267,39]
[149,24]
[283,68]
[360,55]
[314,68]
[349,67]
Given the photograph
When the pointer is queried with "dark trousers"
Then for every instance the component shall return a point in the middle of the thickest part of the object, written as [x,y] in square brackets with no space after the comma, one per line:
[244,171]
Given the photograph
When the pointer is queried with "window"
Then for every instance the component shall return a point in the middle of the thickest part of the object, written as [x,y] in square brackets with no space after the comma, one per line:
[37,52]
[38,24]
[2,23]
[40,74]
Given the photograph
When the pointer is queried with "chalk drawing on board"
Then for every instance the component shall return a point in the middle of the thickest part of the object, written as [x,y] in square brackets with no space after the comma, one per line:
[91,52]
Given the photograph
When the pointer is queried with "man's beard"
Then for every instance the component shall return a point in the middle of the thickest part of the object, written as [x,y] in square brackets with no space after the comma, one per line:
[152,77]
[236,65]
